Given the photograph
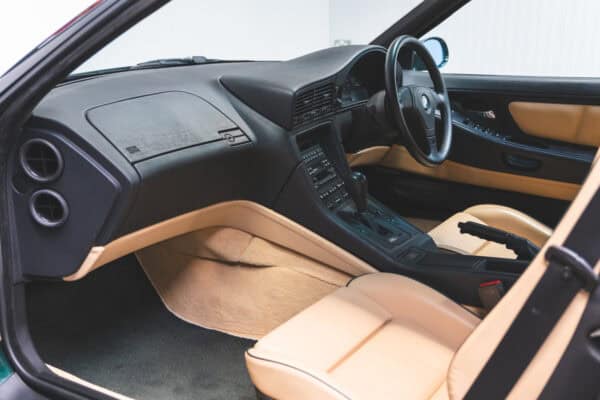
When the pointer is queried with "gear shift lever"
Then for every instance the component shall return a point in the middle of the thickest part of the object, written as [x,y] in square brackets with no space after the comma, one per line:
[360,190]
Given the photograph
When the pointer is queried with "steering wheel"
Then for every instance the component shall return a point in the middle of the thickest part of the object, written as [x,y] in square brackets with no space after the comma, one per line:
[418,104]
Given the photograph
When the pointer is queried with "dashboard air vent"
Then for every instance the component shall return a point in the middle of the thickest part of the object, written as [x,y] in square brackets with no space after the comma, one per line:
[314,103]
[48,208]
[40,160]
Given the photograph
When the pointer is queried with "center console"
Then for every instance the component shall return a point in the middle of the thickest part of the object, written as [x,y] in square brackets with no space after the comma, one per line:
[345,194]
[325,179]
[326,196]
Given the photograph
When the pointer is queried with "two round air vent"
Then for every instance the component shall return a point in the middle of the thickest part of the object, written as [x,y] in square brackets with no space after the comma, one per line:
[43,162]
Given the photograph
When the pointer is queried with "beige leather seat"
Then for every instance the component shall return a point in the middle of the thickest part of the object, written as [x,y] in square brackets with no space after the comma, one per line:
[388,337]
[447,235]
[383,336]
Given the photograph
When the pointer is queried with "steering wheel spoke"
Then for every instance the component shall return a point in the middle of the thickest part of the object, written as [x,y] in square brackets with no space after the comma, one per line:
[405,98]
[432,143]
[439,99]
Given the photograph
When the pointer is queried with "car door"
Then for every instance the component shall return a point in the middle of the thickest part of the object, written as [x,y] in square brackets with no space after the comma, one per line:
[526,120]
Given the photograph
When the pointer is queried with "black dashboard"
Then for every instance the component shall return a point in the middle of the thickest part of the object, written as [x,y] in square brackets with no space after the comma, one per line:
[307,89]
[107,156]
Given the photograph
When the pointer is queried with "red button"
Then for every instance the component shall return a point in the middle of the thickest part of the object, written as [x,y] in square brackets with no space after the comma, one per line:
[490,283]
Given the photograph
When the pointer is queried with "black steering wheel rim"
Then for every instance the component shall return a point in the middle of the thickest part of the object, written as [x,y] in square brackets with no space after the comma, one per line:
[419,101]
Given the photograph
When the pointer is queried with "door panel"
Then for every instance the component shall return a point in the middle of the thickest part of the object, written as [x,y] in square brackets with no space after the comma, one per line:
[490,145]
[425,197]
[577,124]
[399,158]
[533,137]
[558,126]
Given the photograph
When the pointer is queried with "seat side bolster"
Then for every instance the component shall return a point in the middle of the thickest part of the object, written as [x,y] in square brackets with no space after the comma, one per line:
[279,380]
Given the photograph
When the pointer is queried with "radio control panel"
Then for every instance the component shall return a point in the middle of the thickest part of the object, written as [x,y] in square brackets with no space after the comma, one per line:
[328,184]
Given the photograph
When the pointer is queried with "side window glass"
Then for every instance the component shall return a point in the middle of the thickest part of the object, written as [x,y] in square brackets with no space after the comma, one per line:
[516,37]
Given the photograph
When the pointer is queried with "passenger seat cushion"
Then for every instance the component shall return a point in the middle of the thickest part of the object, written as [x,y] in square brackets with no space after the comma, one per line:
[447,235]
[511,220]
[383,336]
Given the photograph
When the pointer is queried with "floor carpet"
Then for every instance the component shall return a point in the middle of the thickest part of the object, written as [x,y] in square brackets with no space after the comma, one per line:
[112,329]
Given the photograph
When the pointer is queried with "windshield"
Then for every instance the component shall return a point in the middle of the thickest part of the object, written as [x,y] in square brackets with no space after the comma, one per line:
[248,30]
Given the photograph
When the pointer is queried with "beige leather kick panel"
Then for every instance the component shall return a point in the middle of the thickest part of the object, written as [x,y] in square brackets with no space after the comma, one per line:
[571,123]
[242,215]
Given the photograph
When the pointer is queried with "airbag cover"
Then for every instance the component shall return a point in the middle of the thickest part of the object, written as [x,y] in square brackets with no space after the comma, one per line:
[151,125]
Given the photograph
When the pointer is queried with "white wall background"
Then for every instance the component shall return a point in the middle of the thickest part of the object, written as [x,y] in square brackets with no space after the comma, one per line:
[226,29]
[529,37]
[26,23]
[362,21]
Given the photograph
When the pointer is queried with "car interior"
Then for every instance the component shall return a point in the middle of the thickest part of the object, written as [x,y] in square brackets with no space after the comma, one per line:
[349,224]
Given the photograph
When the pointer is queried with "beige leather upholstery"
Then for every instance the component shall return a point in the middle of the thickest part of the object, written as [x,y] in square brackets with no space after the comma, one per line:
[369,156]
[447,235]
[384,336]
[399,158]
[570,123]
[353,344]
[477,349]
[242,215]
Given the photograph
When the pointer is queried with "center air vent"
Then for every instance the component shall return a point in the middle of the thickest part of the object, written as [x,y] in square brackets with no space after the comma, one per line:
[314,103]
[40,160]
[48,208]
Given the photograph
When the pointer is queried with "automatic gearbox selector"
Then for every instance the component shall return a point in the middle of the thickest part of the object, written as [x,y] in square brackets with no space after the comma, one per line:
[359,191]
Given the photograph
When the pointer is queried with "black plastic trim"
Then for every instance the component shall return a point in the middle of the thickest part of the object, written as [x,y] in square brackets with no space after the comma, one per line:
[271,89]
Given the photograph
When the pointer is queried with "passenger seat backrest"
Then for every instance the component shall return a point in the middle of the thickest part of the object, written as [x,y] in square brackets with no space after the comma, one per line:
[480,345]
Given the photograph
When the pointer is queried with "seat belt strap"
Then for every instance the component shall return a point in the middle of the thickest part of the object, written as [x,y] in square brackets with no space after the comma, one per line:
[569,271]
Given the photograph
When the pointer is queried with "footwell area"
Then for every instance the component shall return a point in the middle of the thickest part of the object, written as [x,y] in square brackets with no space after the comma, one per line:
[111,329]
